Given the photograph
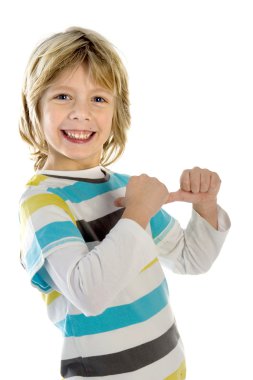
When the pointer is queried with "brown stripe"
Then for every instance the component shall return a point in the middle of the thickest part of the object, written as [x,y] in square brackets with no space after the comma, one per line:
[96,230]
[124,361]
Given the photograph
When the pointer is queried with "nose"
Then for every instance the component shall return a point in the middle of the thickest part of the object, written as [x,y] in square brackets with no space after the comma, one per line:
[80,111]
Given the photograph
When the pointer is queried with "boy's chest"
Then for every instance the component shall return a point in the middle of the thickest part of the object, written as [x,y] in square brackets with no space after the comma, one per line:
[97,216]
[97,229]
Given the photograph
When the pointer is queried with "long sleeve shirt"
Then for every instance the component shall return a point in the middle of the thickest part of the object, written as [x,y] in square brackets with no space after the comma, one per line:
[101,276]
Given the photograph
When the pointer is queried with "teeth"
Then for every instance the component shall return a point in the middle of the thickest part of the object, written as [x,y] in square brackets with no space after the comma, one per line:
[78,135]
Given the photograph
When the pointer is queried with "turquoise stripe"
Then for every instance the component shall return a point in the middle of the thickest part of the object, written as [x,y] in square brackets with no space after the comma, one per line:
[117,317]
[160,237]
[40,283]
[42,280]
[82,191]
[56,233]
[159,222]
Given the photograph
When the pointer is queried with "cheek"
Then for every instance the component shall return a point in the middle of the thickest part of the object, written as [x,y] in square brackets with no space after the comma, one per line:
[49,120]
[106,121]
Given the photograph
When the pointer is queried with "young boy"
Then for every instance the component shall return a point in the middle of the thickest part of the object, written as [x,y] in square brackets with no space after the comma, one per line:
[92,240]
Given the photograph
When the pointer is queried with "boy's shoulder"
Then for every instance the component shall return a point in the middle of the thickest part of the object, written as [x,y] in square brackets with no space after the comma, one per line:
[37,184]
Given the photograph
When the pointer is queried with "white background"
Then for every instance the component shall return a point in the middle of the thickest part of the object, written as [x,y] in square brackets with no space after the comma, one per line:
[190,66]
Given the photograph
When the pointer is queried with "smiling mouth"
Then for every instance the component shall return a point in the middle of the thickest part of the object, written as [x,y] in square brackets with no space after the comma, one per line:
[78,136]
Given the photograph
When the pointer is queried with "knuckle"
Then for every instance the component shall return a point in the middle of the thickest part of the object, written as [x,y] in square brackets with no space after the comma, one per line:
[132,179]
[155,180]
[216,177]
[206,172]
[185,172]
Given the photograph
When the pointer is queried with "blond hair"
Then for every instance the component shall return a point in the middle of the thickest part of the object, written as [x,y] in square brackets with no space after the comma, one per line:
[68,49]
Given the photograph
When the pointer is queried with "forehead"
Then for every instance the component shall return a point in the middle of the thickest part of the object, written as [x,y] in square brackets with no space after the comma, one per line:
[77,76]
[71,74]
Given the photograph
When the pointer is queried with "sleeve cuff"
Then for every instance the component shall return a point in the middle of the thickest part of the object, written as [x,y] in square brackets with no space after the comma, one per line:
[224,222]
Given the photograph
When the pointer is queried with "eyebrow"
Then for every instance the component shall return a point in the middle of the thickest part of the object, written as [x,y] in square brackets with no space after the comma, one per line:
[55,87]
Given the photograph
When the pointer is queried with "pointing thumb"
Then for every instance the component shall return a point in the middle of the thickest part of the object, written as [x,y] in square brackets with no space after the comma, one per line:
[180,196]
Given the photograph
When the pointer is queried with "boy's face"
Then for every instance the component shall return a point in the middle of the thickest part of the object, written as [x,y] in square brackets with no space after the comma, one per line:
[76,117]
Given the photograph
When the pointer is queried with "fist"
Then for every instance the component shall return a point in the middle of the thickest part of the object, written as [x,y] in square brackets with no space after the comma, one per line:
[144,192]
[197,186]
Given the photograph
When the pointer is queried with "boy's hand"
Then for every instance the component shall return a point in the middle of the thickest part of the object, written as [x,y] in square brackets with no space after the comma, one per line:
[146,195]
[197,186]
[143,199]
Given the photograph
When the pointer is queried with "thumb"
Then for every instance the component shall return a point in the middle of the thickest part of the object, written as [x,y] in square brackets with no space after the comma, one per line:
[120,202]
[182,196]
[187,196]
[174,197]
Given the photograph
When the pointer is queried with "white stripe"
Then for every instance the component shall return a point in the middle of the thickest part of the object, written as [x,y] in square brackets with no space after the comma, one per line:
[120,339]
[46,215]
[98,206]
[57,309]
[30,192]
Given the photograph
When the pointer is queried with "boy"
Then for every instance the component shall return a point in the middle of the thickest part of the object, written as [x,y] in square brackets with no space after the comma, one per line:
[93,240]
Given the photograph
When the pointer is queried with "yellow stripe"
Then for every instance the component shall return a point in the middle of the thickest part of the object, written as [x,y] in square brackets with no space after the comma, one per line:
[50,297]
[150,264]
[41,200]
[179,374]
[36,180]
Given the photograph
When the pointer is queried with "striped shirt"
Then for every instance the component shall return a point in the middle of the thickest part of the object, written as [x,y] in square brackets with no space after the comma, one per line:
[101,276]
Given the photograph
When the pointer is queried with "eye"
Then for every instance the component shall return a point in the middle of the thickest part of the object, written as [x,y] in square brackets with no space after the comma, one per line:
[62,97]
[99,99]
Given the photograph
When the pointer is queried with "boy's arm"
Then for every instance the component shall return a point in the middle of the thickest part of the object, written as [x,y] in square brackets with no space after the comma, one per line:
[208,211]
[195,249]
[56,256]
[91,279]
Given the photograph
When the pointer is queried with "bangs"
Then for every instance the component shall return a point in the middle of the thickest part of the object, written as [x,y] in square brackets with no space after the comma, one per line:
[103,74]
[102,70]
